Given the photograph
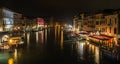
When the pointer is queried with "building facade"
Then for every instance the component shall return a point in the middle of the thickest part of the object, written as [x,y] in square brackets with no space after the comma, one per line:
[102,23]
[18,23]
[6,19]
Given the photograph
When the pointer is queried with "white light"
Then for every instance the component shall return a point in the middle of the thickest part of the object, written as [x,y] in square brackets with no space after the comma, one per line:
[70,26]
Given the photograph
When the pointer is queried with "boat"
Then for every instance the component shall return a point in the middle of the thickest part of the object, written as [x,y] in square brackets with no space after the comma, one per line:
[15,41]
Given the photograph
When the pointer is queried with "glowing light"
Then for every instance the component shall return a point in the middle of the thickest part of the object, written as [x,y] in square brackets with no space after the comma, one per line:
[61,39]
[55,32]
[70,26]
[97,33]
[15,55]
[6,47]
[37,37]
[11,40]
[97,55]
[10,61]
[28,39]
[40,21]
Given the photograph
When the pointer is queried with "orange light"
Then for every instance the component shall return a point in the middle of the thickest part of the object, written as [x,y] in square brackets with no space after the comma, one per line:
[10,61]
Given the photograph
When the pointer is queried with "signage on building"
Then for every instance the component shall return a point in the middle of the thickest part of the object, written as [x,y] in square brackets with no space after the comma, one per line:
[40,21]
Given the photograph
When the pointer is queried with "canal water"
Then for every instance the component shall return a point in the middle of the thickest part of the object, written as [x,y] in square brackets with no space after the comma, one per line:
[51,47]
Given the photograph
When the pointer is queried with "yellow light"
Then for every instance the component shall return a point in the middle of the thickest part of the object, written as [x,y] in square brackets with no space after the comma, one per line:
[15,55]
[11,40]
[10,61]
[6,47]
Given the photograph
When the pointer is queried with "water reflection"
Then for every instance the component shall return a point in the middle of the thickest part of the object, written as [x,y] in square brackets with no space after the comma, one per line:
[55,33]
[97,58]
[41,37]
[36,37]
[92,51]
[58,31]
[61,41]
[15,55]
[45,35]
[10,61]
[55,50]
[80,49]
[28,39]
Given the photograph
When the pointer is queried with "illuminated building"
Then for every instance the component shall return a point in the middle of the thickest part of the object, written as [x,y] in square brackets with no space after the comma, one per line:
[113,25]
[6,19]
[76,23]
[89,23]
[100,24]
[10,20]
[40,23]
[84,23]
[18,23]
[27,24]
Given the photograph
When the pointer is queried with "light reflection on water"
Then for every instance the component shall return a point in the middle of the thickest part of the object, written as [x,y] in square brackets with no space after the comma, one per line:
[36,37]
[62,51]
[28,39]
[62,40]
[45,35]
[93,51]
[13,60]
[41,37]
[9,58]
[97,58]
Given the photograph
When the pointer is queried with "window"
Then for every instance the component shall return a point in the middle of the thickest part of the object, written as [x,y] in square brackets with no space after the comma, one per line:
[115,20]
[110,29]
[110,22]
[8,21]
[115,31]
[97,22]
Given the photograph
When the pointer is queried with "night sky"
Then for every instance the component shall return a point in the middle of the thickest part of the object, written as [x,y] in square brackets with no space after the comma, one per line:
[58,8]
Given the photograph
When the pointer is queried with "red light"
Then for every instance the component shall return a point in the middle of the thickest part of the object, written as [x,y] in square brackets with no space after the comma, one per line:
[40,21]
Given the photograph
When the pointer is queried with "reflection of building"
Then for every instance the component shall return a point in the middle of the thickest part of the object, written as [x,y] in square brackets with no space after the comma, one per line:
[6,19]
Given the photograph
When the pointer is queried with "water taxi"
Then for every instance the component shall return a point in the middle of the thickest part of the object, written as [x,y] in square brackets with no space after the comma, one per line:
[15,41]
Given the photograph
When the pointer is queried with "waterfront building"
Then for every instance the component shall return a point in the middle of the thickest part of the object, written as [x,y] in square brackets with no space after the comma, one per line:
[100,24]
[6,19]
[18,23]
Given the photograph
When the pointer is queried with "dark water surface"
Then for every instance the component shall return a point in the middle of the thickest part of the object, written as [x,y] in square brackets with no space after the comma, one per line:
[49,47]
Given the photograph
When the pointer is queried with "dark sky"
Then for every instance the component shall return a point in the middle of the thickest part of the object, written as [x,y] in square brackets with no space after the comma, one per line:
[58,8]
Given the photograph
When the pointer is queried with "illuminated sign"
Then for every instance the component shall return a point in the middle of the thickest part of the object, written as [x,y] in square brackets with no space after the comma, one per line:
[40,21]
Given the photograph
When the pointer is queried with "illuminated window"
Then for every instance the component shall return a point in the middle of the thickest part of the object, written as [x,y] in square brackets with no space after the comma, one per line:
[8,21]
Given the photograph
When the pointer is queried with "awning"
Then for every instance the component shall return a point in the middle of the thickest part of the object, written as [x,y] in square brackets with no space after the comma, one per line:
[102,37]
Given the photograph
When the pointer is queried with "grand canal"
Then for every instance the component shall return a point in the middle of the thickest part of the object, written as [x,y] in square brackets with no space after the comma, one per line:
[50,47]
